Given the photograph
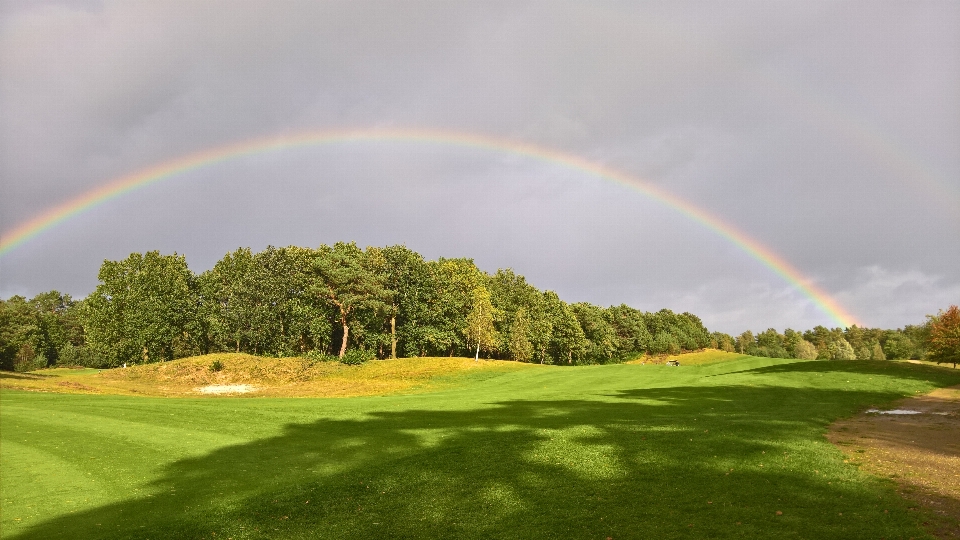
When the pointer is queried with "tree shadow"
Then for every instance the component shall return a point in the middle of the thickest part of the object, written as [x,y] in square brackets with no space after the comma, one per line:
[23,376]
[900,370]
[663,462]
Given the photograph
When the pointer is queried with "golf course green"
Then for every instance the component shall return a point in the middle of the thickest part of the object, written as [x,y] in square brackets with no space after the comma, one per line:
[731,449]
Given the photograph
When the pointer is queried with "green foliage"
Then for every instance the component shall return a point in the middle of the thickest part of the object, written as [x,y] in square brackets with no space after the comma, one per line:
[406,278]
[72,355]
[303,302]
[319,356]
[520,347]
[771,344]
[32,332]
[745,343]
[479,330]
[899,346]
[216,366]
[144,310]
[805,350]
[721,341]
[355,357]
[665,343]
[602,342]
[568,343]
[630,326]
[347,278]
[840,349]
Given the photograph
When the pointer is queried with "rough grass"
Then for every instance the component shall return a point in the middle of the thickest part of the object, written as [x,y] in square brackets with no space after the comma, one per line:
[732,449]
[706,356]
[287,377]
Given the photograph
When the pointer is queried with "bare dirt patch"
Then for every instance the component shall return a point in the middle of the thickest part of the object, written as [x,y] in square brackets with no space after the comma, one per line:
[76,386]
[919,451]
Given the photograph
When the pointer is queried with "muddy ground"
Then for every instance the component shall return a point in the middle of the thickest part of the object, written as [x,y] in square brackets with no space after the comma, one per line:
[919,449]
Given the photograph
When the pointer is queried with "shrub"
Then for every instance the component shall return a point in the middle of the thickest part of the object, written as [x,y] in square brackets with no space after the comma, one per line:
[71,355]
[216,366]
[27,359]
[355,357]
[319,356]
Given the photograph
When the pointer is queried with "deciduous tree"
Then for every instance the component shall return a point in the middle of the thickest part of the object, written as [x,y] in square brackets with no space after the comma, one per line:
[143,309]
[945,336]
[479,329]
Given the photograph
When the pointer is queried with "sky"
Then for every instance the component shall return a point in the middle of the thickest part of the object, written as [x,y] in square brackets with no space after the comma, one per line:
[826,132]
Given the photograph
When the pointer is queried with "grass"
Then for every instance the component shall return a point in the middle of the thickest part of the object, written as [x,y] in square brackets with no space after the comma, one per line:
[732,449]
[706,356]
[273,377]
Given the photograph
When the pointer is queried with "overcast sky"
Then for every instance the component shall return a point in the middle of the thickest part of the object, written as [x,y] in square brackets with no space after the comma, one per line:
[827,131]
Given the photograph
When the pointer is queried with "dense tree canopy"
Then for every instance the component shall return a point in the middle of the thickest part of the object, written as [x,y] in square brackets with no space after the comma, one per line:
[383,302]
[144,309]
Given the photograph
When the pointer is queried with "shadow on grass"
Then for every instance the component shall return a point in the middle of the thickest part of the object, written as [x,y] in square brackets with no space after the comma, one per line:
[653,463]
[900,370]
[23,376]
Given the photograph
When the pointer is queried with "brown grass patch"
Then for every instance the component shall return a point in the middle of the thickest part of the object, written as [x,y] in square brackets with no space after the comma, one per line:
[696,358]
[920,452]
[277,377]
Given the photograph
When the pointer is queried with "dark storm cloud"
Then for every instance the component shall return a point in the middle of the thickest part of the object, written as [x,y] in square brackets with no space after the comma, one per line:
[827,131]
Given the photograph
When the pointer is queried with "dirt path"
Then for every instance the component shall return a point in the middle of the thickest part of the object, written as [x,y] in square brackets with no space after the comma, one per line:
[919,449]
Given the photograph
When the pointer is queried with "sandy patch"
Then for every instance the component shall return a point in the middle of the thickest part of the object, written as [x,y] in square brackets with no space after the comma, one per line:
[916,444]
[227,389]
[893,411]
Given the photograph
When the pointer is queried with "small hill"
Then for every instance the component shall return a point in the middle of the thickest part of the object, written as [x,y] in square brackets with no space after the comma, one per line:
[236,374]
[706,356]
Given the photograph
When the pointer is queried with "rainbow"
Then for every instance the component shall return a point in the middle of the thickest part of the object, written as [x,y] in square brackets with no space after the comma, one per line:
[120,186]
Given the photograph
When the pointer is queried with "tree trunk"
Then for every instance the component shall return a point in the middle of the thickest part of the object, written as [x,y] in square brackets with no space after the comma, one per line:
[476,357]
[393,337]
[343,346]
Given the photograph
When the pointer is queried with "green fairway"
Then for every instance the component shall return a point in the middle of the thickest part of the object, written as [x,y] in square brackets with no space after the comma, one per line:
[726,449]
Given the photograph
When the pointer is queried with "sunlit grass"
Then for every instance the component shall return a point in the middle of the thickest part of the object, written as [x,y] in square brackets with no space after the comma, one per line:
[621,451]
[277,377]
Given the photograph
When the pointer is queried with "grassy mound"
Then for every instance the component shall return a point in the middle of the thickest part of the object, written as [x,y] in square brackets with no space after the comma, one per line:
[706,356]
[278,377]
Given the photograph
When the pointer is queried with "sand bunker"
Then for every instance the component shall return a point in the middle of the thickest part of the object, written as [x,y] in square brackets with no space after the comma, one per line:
[227,389]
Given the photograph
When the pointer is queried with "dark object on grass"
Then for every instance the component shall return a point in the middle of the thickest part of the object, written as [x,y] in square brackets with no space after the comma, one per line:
[216,366]
[673,362]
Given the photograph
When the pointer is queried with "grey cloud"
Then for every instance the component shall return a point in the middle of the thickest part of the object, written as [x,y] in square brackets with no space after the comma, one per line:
[826,131]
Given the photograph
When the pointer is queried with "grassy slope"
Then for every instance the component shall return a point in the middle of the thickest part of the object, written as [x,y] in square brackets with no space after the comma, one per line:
[275,377]
[622,451]
[706,356]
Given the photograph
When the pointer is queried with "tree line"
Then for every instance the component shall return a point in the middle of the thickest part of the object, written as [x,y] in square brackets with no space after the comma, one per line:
[333,301]
[356,304]
[936,339]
